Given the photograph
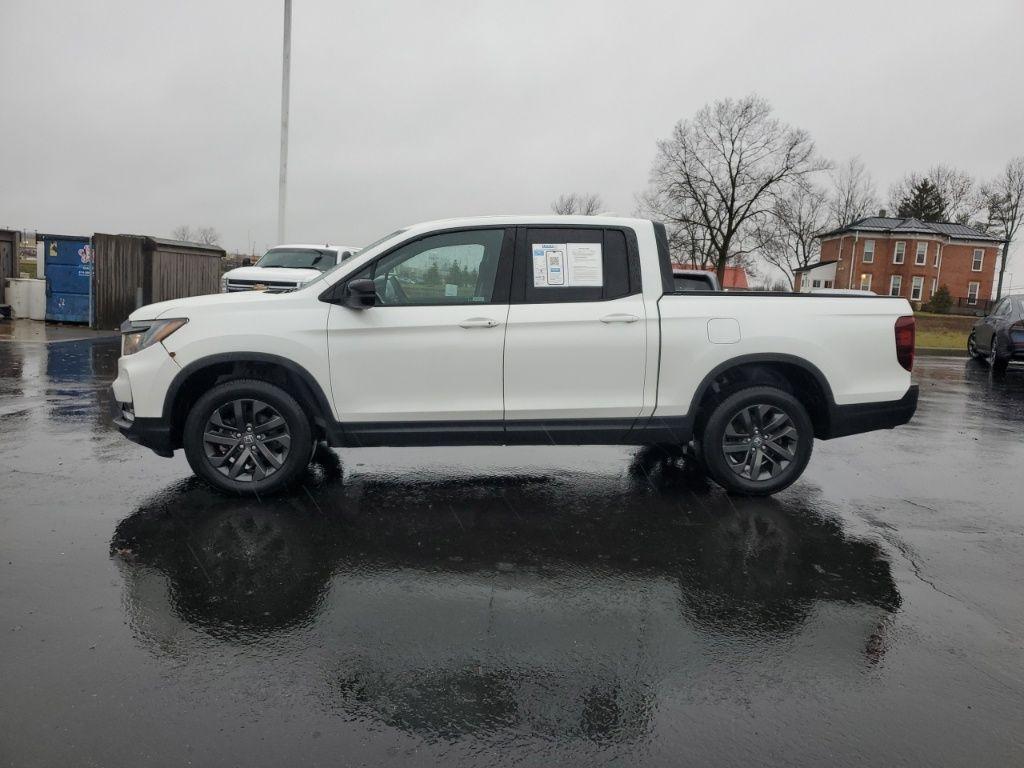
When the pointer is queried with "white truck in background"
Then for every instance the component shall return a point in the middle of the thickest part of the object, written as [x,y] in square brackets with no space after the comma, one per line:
[285,268]
[512,330]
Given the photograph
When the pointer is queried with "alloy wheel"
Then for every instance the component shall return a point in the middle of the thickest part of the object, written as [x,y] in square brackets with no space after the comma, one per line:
[246,440]
[760,441]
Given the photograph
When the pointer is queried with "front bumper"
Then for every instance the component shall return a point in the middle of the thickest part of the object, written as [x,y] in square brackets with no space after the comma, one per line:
[154,434]
[865,417]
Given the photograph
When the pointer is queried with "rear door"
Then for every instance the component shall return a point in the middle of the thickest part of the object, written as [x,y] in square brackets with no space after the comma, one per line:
[575,344]
[985,330]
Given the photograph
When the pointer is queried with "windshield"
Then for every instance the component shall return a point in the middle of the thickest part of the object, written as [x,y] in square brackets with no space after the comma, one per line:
[298,258]
[369,247]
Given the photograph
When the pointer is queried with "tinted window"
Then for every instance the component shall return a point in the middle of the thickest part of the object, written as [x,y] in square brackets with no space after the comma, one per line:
[575,264]
[449,268]
[692,283]
[298,258]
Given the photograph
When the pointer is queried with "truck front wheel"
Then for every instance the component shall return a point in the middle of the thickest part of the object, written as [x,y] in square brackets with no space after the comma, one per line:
[757,441]
[247,436]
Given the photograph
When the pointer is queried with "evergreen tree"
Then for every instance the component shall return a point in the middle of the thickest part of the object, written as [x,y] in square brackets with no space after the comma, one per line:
[924,201]
[433,275]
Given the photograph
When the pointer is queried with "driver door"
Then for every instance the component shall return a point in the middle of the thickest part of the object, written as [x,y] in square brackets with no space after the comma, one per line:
[431,349]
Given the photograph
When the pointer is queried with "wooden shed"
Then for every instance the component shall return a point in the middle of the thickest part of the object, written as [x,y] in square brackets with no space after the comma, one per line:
[132,271]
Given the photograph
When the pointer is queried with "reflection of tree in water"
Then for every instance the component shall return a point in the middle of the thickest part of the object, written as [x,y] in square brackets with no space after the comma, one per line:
[240,569]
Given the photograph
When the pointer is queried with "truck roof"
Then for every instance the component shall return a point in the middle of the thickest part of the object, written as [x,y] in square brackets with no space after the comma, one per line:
[551,219]
[315,247]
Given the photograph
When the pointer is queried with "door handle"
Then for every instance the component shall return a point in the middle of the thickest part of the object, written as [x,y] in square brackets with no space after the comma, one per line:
[619,319]
[478,322]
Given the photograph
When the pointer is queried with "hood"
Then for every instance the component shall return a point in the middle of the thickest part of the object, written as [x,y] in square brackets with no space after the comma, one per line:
[274,274]
[185,307]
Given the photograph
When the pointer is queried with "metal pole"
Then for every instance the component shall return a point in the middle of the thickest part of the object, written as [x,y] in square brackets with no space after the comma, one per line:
[282,188]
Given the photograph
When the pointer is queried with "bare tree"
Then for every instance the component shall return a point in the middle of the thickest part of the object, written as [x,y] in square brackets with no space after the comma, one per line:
[789,238]
[720,173]
[853,193]
[1004,197]
[204,235]
[207,236]
[964,201]
[184,233]
[576,203]
[958,190]
[689,242]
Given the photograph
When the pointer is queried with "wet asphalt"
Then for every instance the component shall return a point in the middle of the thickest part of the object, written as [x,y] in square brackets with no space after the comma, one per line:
[509,606]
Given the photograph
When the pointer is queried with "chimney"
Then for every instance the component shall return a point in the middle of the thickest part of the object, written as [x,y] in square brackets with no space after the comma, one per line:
[882,213]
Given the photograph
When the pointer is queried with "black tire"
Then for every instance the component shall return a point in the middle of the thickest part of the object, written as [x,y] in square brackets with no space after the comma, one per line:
[264,405]
[768,445]
[972,348]
[997,363]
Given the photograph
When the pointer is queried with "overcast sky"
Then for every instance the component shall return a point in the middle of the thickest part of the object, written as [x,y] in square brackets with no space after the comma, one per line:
[138,115]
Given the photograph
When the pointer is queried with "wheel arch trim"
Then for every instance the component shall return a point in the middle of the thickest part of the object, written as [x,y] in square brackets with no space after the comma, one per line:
[321,405]
[753,359]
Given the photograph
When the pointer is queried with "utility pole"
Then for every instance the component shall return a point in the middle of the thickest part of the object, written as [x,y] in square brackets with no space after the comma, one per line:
[282,186]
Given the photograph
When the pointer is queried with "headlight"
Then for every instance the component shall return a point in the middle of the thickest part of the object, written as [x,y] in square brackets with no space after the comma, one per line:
[136,336]
[223,285]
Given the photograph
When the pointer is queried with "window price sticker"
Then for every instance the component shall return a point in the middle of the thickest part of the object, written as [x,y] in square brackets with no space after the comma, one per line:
[567,265]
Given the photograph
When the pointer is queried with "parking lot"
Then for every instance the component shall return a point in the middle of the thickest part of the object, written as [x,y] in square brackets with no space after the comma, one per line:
[518,606]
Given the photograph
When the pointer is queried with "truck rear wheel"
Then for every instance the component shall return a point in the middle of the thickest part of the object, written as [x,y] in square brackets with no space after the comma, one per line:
[247,436]
[757,441]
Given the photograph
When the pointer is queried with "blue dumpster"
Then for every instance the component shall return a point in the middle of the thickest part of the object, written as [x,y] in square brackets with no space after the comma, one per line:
[68,277]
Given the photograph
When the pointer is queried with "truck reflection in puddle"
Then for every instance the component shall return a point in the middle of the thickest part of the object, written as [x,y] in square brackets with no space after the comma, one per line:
[560,603]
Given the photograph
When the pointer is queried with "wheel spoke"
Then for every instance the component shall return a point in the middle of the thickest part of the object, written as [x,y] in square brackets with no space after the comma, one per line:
[266,426]
[755,464]
[775,423]
[783,453]
[283,440]
[212,437]
[220,460]
[239,415]
[269,455]
[737,447]
[236,468]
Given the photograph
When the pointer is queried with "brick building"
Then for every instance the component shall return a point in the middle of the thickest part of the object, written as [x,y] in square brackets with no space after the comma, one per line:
[909,258]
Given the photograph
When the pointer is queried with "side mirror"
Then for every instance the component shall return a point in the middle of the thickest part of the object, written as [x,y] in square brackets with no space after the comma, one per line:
[360,294]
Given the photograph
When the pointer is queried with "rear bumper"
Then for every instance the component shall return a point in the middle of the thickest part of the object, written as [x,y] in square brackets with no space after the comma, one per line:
[154,434]
[866,417]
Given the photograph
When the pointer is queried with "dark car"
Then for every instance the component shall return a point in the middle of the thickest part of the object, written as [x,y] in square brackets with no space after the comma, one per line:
[999,338]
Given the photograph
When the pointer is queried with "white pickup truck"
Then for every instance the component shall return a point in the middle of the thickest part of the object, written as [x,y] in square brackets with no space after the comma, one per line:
[564,330]
[285,268]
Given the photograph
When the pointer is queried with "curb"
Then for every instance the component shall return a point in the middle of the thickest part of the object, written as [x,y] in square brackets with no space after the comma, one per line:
[941,352]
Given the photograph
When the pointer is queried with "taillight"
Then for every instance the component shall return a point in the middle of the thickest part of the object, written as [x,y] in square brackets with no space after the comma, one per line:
[905,342]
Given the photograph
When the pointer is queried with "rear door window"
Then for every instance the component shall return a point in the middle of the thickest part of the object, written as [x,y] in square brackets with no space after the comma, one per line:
[572,264]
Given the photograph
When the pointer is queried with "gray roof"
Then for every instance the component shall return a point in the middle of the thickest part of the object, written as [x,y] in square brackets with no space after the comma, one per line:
[897,226]
[815,265]
[164,242]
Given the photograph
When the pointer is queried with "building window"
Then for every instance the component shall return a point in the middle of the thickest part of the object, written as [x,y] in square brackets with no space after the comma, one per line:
[865,281]
[868,257]
[972,292]
[938,251]
[979,259]
[935,285]
[816,284]
[916,287]
[921,254]
[828,283]
[895,284]
[900,252]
